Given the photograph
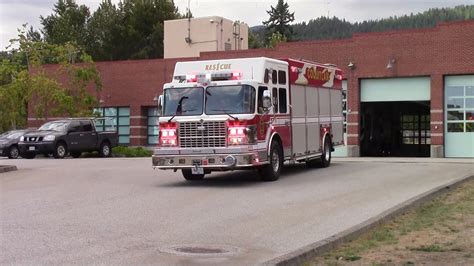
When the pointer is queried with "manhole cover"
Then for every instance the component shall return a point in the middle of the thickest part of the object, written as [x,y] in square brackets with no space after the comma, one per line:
[201,250]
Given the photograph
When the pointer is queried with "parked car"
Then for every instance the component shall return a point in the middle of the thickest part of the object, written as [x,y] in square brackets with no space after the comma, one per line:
[73,136]
[9,143]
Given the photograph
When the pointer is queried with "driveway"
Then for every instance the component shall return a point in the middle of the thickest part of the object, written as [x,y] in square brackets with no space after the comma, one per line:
[112,211]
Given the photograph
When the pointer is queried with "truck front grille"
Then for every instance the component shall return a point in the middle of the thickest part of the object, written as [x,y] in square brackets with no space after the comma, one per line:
[202,134]
[33,139]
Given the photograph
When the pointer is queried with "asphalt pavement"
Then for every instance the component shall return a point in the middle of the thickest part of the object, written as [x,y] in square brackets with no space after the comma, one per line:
[121,211]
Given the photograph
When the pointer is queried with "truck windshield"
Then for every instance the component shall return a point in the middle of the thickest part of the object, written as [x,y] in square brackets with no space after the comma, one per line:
[183,101]
[56,126]
[238,99]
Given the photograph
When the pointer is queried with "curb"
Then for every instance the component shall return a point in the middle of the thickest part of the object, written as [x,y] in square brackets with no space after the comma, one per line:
[7,168]
[301,255]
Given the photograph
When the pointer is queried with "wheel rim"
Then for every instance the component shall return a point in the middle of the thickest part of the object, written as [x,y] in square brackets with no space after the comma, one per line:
[106,150]
[14,152]
[275,161]
[61,151]
[327,153]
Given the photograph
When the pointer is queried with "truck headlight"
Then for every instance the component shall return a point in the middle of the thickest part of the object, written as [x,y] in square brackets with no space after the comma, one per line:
[49,138]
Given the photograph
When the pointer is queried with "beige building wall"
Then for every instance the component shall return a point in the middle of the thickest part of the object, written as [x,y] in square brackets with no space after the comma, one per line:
[185,38]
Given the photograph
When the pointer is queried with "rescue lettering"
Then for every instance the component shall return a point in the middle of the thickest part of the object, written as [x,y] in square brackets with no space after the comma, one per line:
[314,74]
[218,66]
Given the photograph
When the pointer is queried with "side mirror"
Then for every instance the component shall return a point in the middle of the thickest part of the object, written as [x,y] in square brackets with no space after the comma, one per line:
[160,104]
[267,100]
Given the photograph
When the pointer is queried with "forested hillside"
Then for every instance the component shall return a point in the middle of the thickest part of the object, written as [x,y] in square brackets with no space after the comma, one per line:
[334,28]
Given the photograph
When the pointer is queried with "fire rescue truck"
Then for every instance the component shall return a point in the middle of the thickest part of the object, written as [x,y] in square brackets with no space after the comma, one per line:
[248,113]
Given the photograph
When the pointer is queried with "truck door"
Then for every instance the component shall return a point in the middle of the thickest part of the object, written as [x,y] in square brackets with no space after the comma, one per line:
[73,138]
[88,136]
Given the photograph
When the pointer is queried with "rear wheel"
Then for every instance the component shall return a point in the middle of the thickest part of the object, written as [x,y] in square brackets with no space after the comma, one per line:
[60,151]
[326,156]
[76,154]
[271,171]
[188,175]
[105,149]
[13,152]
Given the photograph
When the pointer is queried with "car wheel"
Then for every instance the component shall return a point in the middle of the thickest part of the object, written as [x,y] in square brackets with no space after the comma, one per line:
[76,154]
[13,153]
[271,171]
[188,175]
[105,150]
[60,151]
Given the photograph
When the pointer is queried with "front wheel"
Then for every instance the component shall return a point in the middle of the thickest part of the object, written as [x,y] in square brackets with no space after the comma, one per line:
[105,150]
[188,175]
[60,151]
[13,153]
[271,171]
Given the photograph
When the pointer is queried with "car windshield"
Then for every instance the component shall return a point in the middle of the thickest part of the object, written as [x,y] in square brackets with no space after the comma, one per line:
[55,126]
[183,101]
[238,99]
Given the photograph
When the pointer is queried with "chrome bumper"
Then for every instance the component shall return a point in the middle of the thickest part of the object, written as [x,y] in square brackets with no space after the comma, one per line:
[211,159]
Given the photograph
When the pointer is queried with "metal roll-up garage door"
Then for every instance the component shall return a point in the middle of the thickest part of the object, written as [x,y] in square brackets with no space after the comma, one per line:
[459,116]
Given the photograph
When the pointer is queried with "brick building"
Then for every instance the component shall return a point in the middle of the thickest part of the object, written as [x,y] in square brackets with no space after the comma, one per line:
[409,93]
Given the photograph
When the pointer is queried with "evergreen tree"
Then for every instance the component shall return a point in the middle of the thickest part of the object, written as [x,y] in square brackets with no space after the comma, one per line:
[280,19]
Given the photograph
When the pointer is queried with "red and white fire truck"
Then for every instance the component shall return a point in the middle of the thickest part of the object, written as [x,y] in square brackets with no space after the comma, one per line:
[249,113]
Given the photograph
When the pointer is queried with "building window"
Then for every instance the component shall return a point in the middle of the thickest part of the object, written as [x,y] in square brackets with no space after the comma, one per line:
[115,118]
[459,108]
[153,128]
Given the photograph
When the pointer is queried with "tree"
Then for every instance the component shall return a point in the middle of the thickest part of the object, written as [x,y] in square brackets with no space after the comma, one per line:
[68,23]
[275,39]
[280,19]
[24,82]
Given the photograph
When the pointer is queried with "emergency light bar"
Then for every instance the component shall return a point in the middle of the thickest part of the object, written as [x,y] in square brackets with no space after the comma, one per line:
[201,78]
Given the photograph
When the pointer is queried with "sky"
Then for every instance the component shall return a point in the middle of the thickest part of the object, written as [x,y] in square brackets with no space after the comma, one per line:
[15,13]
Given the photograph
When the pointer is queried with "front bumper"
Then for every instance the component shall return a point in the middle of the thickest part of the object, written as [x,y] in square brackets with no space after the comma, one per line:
[210,159]
[36,147]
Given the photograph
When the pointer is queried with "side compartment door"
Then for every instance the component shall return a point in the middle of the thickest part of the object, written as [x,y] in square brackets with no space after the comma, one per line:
[298,120]
[312,120]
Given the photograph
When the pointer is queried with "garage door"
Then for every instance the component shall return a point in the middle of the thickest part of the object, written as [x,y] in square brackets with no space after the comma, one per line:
[395,117]
[395,89]
[459,116]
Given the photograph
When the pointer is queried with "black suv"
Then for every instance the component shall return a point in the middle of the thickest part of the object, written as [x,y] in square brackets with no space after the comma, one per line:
[70,135]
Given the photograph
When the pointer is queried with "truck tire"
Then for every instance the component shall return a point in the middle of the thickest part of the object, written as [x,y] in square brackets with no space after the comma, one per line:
[76,154]
[60,151]
[105,150]
[187,174]
[13,152]
[326,156]
[271,171]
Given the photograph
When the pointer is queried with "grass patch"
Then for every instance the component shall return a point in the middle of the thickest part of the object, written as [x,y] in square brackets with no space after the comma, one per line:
[430,248]
[447,215]
[122,151]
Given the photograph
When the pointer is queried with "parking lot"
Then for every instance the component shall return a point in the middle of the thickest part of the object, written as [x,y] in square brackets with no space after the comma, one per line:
[111,211]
